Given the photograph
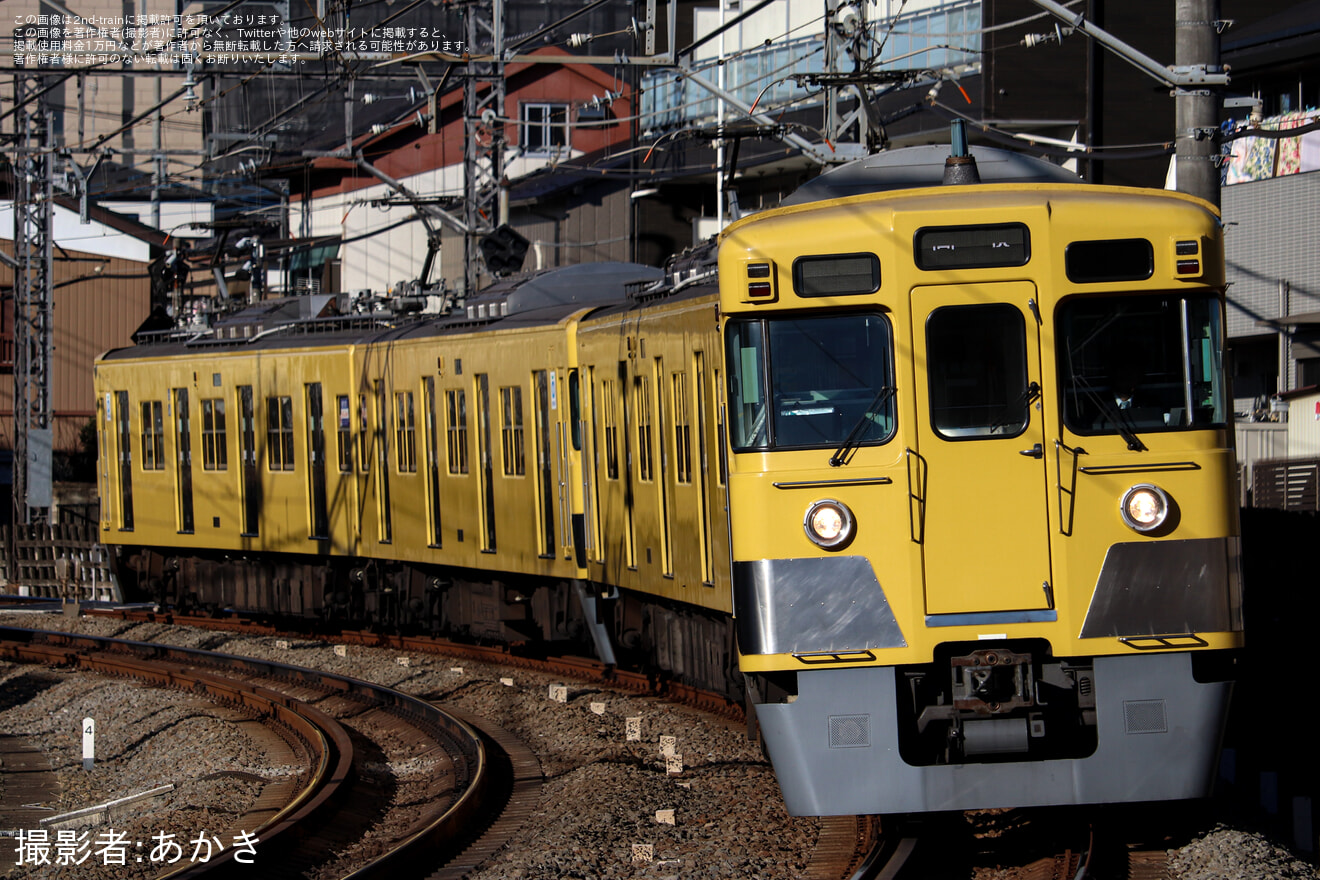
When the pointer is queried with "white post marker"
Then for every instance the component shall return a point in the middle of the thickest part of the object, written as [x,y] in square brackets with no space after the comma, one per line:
[89,743]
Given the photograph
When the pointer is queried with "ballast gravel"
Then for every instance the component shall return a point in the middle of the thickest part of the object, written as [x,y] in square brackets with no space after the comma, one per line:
[610,806]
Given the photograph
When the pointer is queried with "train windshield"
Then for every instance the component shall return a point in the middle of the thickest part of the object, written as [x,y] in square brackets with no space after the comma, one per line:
[1141,363]
[810,382]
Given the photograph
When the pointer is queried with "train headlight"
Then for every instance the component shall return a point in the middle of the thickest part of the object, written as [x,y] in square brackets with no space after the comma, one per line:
[829,524]
[1145,507]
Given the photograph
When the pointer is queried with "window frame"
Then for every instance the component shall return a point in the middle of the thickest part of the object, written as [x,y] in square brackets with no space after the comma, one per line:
[456,430]
[215,437]
[545,127]
[757,357]
[405,432]
[279,434]
[512,434]
[153,435]
[344,433]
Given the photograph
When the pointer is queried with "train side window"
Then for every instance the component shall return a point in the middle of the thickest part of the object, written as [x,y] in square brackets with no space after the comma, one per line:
[608,396]
[511,430]
[456,428]
[344,433]
[642,399]
[748,410]
[215,448]
[364,435]
[977,365]
[719,429]
[575,409]
[153,436]
[405,432]
[124,437]
[279,433]
[432,464]
[682,430]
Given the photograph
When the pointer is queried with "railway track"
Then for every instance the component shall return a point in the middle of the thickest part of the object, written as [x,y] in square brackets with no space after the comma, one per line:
[577,667]
[1082,843]
[848,847]
[471,773]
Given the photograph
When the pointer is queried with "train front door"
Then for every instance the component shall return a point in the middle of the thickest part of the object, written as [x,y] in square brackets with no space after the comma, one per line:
[978,472]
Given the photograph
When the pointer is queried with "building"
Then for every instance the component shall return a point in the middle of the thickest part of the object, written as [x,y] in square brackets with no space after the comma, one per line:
[102,291]
[553,114]
[1271,205]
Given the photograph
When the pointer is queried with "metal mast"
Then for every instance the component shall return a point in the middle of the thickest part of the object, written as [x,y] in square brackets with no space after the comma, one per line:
[33,242]
[483,143]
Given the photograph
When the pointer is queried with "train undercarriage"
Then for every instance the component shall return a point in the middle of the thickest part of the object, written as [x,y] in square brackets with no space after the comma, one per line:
[668,641]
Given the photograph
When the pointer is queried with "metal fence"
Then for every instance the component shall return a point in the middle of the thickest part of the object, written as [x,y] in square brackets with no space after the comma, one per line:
[62,562]
[1286,484]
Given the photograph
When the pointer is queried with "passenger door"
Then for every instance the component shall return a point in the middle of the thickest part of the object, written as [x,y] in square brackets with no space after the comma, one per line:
[978,471]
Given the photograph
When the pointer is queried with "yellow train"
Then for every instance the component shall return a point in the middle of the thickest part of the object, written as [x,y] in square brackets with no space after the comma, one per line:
[942,476]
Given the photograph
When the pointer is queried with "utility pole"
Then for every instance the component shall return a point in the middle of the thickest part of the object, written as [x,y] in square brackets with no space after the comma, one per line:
[1196,48]
[1192,77]
[484,204]
[34,191]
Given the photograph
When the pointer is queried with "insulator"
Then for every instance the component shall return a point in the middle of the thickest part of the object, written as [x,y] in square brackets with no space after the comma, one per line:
[577,41]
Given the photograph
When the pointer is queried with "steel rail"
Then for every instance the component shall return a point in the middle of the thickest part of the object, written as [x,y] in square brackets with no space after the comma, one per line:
[441,837]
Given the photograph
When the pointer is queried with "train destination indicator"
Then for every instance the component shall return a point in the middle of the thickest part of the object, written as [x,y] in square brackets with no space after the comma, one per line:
[972,247]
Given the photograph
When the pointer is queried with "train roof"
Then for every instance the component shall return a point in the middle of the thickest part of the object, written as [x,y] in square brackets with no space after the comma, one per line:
[917,167]
[533,299]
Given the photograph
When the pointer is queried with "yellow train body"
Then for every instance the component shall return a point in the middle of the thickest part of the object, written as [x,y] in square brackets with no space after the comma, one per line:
[954,465]
[929,576]
[958,528]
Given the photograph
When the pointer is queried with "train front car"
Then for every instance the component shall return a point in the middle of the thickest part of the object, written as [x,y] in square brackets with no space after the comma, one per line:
[984,527]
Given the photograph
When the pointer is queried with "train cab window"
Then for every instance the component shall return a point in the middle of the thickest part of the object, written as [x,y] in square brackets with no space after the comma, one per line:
[810,382]
[977,368]
[1141,362]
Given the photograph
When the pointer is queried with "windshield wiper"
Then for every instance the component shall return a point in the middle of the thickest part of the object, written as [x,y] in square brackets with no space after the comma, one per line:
[1117,416]
[844,453]
[1028,396]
